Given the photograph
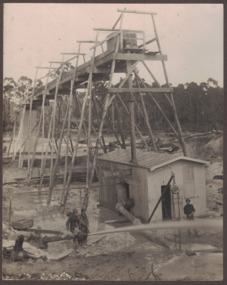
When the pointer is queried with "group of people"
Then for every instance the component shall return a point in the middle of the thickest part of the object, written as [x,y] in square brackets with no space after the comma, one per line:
[78,225]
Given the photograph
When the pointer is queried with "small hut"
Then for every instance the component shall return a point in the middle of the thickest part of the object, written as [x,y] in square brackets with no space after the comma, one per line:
[145,181]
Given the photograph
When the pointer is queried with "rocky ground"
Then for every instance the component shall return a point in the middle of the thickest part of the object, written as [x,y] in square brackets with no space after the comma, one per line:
[119,256]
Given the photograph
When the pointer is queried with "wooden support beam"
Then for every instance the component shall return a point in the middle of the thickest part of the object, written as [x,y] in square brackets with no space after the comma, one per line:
[116,22]
[135,12]
[87,42]
[70,114]
[137,56]
[53,171]
[132,123]
[151,74]
[181,140]
[43,67]
[160,199]
[51,131]
[123,145]
[67,186]
[108,120]
[30,117]
[137,129]
[148,42]
[146,118]
[30,169]
[108,102]
[65,61]
[142,90]
[106,30]
[54,119]
[72,53]
[98,119]
[160,109]
[117,30]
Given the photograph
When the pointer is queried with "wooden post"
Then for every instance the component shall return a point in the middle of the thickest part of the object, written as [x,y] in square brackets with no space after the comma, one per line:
[132,118]
[89,131]
[105,109]
[137,129]
[119,125]
[160,199]
[19,133]
[30,169]
[67,186]
[13,135]
[146,118]
[70,114]
[110,125]
[121,33]
[10,210]
[98,119]
[181,140]
[53,172]
[160,109]
[50,134]
[54,117]
[29,120]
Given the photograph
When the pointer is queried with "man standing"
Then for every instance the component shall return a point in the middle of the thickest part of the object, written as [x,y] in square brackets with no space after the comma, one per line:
[84,223]
[189,211]
[73,221]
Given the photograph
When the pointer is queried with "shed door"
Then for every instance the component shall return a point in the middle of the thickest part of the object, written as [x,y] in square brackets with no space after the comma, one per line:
[189,183]
[166,203]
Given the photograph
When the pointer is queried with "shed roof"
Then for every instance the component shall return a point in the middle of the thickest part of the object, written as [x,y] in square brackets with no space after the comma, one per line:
[145,159]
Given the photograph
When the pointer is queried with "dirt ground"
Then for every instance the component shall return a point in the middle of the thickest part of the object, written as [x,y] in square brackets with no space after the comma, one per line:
[119,256]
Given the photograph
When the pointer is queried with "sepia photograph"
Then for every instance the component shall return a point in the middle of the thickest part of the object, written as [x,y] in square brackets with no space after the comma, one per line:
[112,142]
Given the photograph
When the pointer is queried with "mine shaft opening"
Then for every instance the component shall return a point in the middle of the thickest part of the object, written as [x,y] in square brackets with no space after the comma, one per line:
[166,202]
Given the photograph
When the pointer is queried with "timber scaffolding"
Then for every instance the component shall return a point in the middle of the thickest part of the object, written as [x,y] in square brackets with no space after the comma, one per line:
[124,50]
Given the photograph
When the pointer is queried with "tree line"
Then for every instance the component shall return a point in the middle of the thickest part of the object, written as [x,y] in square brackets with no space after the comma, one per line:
[199,106]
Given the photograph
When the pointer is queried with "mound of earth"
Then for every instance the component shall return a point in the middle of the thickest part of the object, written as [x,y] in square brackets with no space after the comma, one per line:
[212,149]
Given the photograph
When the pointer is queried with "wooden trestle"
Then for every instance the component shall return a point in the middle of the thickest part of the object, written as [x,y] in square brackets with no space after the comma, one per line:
[122,55]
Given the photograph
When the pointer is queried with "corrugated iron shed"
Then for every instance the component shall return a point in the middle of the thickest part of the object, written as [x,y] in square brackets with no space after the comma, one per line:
[145,159]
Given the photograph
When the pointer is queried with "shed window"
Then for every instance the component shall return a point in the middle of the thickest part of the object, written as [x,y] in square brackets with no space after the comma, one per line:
[189,183]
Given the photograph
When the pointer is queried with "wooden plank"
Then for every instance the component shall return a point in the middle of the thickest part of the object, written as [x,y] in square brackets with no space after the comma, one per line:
[44,67]
[86,42]
[106,30]
[132,118]
[141,90]
[131,181]
[136,12]
[73,53]
[133,56]
[160,109]
[117,30]
[148,42]
[117,22]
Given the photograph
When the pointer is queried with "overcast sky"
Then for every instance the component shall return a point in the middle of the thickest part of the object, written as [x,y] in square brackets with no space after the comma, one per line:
[191,35]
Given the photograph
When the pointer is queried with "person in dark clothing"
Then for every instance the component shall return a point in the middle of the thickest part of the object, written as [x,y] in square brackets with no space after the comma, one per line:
[189,211]
[128,204]
[83,226]
[73,221]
